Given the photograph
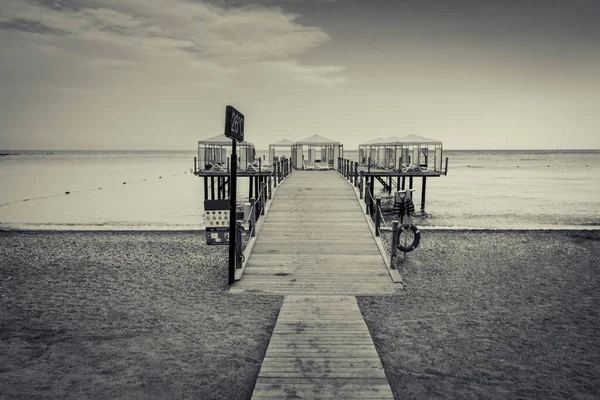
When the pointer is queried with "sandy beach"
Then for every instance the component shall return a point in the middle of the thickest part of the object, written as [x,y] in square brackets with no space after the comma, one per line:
[486,314]
[493,314]
[126,315]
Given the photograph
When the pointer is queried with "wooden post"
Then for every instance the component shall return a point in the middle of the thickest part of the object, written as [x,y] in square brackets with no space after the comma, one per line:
[389,185]
[367,195]
[446,169]
[259,164]
[256,187]
[369,165]
[361,185]
[355,174]
[212,187]
[195,165]
[269,181]
[423,190]
[252,217]
[395,228]
[250,187]
[403,182]
[275,175]
[219,187]
[263,198]
[398,183]
[377,216]
[206,188]
[372,190]
[410,182]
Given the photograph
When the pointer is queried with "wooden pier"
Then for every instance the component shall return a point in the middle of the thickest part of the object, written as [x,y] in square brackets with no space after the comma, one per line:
[315,247]
[315,241]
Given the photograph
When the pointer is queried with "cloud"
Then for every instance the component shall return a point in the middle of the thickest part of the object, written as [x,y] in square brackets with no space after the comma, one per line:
[176,39]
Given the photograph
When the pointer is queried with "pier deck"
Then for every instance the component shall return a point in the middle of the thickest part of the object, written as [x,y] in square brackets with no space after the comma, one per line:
[315,247]
[315,241]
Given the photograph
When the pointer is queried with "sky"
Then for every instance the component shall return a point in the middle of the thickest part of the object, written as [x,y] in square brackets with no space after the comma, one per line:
[158,74]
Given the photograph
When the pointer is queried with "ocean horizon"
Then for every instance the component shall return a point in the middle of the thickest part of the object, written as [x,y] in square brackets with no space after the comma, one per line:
[155,190]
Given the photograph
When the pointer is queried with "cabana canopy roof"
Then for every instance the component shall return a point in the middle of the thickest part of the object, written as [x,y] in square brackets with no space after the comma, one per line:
[374,141]
[317,140]
[408,140]
[220,140]
[282,142]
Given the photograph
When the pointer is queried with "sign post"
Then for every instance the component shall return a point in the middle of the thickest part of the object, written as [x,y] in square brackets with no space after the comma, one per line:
[234,129]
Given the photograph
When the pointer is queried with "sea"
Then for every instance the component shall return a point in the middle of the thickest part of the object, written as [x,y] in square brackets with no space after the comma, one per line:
[156,190]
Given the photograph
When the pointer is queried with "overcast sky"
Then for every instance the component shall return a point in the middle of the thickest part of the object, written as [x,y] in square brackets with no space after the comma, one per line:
[157,74]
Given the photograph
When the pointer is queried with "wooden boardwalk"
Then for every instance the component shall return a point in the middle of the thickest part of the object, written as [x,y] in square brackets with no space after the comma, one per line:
[321,348]
[315,240]
[315,247]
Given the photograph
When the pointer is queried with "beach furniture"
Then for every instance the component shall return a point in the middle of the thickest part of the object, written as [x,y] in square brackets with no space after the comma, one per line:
[308,165]
[216,167]
[322,166]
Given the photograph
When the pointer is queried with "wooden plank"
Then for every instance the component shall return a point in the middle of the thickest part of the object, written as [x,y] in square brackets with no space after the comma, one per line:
[316,233]
[315,357]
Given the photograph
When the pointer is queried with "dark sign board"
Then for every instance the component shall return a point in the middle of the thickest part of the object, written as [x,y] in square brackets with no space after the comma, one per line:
[234,124]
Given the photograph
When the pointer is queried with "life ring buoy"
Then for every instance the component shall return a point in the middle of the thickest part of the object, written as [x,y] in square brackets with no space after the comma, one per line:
[404,169]
[423,169]
[415,243]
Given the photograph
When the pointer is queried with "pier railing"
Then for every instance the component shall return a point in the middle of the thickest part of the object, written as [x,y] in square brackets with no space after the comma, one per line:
[350,171]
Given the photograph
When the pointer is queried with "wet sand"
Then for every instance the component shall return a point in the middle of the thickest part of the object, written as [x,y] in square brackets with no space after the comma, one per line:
[493,314]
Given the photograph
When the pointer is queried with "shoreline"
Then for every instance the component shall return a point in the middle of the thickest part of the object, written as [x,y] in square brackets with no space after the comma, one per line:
[202,230]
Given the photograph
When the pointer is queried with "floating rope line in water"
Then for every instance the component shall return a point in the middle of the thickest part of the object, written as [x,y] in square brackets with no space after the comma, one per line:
[68,192]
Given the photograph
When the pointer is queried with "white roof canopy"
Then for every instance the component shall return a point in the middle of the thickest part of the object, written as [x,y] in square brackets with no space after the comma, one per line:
[317,140]
[221,140]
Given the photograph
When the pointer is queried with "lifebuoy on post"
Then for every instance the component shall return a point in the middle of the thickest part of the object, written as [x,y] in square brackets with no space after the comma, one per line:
[415,243]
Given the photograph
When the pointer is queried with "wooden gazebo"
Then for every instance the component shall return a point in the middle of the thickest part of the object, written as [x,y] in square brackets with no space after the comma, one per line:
[318,148]
[284,144]
[413,150]
[214,153]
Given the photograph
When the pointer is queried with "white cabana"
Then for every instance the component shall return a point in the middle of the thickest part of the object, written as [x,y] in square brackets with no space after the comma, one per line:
[395,152]
[368,151]
[214,153]
[284,144]
[318,149]
[415,150]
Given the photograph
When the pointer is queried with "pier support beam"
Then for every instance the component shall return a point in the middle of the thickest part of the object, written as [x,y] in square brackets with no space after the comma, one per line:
[423,190]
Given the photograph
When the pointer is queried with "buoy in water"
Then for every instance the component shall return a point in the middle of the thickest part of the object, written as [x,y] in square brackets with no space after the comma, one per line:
[160,177]
[67,192]
[124,183]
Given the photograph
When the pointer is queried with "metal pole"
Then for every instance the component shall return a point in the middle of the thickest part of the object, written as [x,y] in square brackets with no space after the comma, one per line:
[232,212]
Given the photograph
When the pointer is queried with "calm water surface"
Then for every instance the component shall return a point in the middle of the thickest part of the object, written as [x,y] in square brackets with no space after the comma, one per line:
[483,189]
